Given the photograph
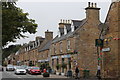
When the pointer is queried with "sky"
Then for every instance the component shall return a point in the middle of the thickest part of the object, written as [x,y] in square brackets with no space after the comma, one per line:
[47,14]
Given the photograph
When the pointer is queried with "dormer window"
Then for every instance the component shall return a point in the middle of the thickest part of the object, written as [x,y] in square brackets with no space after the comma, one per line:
[75,27]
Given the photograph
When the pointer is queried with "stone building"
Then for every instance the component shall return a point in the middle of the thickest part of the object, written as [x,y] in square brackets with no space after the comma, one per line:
[75,45]
[28,54]
[10,59]
[111,36]
[43,51]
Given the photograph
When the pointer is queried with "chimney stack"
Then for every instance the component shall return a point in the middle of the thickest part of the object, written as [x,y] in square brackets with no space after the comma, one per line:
[92,12]
[48,35]
[61,27]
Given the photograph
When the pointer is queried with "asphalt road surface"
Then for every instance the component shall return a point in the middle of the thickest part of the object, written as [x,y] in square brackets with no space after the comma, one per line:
[9,75]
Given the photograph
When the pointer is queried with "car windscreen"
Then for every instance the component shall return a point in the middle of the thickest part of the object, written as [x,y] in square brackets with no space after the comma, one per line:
[10,66]
[35,68]
[19,67]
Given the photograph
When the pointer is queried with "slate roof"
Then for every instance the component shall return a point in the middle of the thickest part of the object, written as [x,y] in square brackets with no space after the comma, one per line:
[46,46]
[75,23]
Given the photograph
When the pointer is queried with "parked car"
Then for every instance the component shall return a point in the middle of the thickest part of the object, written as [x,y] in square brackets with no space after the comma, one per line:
[1,68]
[28,69]
[35,70]
[10,67]
[20,70]
[24,66]
[15,67]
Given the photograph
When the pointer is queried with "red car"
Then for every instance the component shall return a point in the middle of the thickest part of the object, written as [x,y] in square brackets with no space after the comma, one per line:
[35,70]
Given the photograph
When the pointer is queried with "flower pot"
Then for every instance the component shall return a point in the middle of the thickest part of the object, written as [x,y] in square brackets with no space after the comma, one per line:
[46,75]
[62,74]
[57,73]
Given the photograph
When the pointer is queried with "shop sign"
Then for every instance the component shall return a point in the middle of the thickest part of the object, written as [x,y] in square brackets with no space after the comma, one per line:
[54,57]
[46,60]
[66,56]
[105,49]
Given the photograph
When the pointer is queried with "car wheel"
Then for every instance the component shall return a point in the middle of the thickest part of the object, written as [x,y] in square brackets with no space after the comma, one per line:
[31,73]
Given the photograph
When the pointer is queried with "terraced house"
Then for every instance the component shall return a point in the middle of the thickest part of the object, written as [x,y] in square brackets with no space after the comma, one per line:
[75,46]
[43,51]
[28,54]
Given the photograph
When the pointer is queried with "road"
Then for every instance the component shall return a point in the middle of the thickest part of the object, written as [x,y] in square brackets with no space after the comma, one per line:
[9,75]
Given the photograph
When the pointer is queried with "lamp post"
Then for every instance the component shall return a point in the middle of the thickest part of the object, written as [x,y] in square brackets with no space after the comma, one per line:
[99,43]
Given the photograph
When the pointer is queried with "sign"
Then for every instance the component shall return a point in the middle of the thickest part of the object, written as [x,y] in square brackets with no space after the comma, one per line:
[98,42]
[66,56]
[105,49]
[99,58]
[54,57]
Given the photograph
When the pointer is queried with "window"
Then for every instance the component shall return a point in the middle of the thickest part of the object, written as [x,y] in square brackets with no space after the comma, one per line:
[60,46]
[75,27]
[63,63]
[54,48]
[53,62]
[69,63]
[57,61]
[68,44]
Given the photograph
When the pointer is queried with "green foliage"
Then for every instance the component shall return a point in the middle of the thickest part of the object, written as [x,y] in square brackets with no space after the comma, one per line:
[64,65]
[58,66]
[15,23]
[46,74]
[11,49]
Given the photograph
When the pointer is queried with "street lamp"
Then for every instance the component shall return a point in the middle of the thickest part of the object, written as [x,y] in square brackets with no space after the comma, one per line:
[99,43]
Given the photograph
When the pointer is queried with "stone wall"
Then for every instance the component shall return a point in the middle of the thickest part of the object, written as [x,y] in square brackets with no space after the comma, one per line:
[111,58]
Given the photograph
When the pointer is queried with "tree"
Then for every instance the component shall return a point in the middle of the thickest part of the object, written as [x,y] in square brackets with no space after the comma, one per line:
[15,23]
[10,50]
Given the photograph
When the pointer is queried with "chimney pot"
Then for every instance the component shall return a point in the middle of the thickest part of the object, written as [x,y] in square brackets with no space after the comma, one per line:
[95,5]
[61,21]
[92,5]
[88,4]
[66,21]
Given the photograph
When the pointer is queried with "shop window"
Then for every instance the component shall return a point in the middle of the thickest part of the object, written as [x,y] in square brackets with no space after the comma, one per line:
[69,63]
[53,62]
[63,63]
